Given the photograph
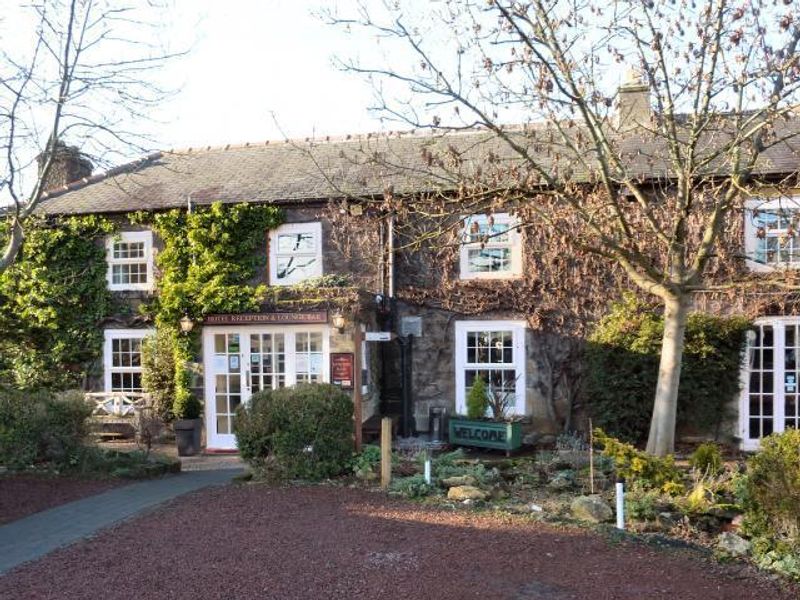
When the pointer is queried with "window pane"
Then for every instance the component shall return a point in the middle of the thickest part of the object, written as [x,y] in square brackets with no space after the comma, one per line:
[489,260]
[296,243]
[297,267]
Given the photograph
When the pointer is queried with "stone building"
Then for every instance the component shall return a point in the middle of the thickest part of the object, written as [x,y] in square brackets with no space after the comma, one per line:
[448,313]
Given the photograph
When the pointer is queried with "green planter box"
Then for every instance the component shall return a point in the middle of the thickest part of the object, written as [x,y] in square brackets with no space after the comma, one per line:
[486,434]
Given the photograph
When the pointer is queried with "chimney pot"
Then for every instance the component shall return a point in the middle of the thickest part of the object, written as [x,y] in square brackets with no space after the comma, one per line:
[633,102]
[69,164]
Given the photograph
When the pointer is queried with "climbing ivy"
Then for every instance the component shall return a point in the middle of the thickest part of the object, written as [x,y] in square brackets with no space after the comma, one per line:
[208,265]
[52,300]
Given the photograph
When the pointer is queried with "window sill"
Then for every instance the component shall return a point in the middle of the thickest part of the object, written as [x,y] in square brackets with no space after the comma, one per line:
[479,276]
[757,267]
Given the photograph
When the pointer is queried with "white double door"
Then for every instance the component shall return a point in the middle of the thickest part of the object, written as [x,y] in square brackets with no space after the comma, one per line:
[240,361]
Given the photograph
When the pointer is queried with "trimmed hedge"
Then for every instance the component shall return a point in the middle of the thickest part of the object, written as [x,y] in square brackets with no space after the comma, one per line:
[622,359]
[302,432]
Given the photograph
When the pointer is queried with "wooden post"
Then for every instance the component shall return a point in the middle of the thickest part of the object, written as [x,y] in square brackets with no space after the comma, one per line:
[591,458]
[386,452]
[357,400]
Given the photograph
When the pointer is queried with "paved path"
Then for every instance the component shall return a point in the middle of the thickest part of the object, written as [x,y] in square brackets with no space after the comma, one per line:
[40,533]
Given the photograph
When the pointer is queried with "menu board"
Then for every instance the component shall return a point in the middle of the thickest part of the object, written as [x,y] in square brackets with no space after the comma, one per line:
[342,369]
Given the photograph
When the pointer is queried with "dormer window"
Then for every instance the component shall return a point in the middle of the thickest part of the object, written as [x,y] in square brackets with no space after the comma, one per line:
[491,247]
[771,233]
[295,253]
[129,256]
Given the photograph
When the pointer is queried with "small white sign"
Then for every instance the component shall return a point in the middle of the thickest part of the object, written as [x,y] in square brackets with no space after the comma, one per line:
[378,336]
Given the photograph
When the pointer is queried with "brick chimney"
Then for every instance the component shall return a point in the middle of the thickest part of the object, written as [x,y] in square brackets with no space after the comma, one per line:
[633,103]
[69,165]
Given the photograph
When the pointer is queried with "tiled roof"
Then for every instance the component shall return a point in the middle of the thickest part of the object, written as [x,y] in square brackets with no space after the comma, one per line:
[312,170]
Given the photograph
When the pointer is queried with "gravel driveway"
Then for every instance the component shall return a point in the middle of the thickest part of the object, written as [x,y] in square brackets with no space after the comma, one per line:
[259,542]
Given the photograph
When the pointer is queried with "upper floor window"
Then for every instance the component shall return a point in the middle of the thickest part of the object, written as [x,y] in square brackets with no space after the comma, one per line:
[771,233]
[491,247]
[129,255]
[295,253]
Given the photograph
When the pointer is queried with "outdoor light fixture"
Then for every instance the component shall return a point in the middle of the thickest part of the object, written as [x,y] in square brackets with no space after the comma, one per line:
[186,324]
[338,321]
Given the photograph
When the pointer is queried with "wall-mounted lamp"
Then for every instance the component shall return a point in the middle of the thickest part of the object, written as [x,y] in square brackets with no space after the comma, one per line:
[186,324]
[338,321]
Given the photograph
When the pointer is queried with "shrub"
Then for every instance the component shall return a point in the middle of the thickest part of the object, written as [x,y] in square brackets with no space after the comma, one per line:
[410,487]
[477,400]
[305,430]
[41,427]
[773,485]
[158,371]
[366,462]
[637,466]
[642,504]
[622,358]
[707,458]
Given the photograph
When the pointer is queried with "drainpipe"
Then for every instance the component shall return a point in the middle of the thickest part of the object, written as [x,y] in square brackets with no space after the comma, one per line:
[390,243]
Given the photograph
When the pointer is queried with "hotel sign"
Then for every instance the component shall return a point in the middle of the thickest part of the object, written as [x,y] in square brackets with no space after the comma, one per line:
[273,318]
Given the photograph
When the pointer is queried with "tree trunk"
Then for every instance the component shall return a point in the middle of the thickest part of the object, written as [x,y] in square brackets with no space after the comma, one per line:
[662,427]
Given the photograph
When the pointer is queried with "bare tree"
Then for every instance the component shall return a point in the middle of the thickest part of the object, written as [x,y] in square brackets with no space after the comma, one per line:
[84,74]
[645,179]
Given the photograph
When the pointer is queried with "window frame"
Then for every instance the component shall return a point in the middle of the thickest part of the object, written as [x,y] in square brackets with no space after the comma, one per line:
[109,335]
[514,243]
[128,237]
[751,240]
[518,330]
[314,227]
[778,324]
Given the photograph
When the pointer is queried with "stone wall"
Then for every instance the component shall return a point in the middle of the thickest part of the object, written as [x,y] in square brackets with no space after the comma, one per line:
[552,372]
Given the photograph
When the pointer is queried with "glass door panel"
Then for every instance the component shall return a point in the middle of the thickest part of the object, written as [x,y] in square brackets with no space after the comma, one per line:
[267,361]
[227,380]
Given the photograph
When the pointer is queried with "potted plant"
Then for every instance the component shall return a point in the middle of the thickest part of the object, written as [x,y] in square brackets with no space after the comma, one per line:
[476,429]
[187,425]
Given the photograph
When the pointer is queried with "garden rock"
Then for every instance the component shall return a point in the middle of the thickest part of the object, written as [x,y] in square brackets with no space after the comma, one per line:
[733,545]
[591,508]
[466,492]
[563,480]
[459,480]
[667,520]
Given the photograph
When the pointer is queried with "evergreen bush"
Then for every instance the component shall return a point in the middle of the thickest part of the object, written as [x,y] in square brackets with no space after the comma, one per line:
[477,400]
[158,371]
[41,427]
[622,357]
[304,431]
[707,458]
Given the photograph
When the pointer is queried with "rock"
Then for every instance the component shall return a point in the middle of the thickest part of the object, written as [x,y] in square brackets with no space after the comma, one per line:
[535,507]
[563,480]
[459,480]
[667,520]
[539,439]
[591,508]
[466,492]
[737,521]
[733,545]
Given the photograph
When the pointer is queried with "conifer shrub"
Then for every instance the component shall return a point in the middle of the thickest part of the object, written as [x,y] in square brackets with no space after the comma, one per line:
[302,432]
[707,458]
[477,399]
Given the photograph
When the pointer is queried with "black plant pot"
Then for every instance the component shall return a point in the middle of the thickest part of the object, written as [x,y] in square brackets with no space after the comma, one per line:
[187,436]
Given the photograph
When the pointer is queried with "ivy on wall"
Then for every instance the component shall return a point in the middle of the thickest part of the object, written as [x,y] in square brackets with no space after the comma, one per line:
[208,264]
[622,357]
[52,300]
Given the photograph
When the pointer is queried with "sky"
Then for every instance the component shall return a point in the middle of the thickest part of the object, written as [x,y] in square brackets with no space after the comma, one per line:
[259,70]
